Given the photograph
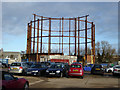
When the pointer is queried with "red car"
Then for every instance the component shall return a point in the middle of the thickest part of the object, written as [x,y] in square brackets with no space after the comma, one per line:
[10,82]
[76,70]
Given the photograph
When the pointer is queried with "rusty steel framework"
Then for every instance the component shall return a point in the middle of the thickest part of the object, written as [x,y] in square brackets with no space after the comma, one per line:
[40,26]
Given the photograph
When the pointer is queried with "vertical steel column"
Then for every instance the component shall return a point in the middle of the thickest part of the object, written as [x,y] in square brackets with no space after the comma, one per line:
[86,39]
[94,43]
[78,37]
[37,39]
[62,33]
[69,35]
[75,38]
[34,35]
[28,38]
[41,34]
[92,52]
[59,35]
[49,48]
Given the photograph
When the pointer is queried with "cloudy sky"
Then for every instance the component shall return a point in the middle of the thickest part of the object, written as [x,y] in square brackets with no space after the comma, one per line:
[16,15]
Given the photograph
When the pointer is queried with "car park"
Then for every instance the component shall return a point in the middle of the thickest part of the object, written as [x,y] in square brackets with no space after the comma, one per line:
[116,70]
[9,82]
[76,70]
[37,69]
[57,69]
[88,67]
[97,69]
[18,68]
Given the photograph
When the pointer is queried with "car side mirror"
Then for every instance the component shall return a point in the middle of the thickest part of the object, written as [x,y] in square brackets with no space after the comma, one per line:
[16,78]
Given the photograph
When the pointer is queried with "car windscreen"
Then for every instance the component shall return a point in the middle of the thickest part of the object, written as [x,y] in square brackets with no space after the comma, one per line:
[75,66]
[117,67]
[98,66]
[35,66]
[56,66]
[29,64]
[15,64]
[110,66]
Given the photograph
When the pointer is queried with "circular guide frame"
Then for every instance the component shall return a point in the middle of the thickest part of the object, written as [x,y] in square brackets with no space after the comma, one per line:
[70,32]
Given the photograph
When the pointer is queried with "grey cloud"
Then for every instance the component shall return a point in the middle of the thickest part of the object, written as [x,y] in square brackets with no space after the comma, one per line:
[17,15]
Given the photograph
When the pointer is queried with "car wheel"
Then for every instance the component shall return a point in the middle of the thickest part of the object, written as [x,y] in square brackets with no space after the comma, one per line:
[39,73]
[114,74]
[109,71]
[67,76]
[61,74]
[23,72]
[3,88]
[26,86]
[3,66]
[91,72]
[81,77]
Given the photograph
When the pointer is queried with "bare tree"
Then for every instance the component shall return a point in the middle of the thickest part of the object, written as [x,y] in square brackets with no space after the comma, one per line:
[54,51]
[104,51]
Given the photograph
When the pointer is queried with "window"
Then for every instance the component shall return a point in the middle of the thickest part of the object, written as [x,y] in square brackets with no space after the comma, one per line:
[56,66]
[98,66]
[8,77]
[24,64]
[16,64]
[117,67]
[43,66]
[75,66]
[36,66]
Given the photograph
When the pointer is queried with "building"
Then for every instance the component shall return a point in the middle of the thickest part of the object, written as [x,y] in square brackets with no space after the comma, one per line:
[44,57]
[11,56]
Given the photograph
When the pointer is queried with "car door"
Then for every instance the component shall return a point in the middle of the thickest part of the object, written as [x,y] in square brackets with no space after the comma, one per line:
[43,68]
[11,82]
[25,67]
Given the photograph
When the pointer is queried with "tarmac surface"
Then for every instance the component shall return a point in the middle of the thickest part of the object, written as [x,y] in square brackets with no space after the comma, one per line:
[89,81]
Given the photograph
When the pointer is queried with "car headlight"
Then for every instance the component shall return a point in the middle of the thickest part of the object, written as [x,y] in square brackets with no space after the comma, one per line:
[80,70]
[47,71]
[35,71]
[58,71]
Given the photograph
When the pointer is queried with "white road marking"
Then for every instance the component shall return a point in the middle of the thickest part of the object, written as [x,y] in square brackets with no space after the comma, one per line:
[35,82]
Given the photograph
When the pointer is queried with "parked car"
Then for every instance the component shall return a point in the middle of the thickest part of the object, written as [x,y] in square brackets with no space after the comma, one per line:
[10,82]
[3,65]
[18,67]
[116,70]
[88,67]
[65,64]
[76,70]
[48,63]
[30,63]
[37,69]
[97,69]
[57,69]
[109,69]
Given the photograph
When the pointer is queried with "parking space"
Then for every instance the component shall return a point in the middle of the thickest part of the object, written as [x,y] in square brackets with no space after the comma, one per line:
[89,81]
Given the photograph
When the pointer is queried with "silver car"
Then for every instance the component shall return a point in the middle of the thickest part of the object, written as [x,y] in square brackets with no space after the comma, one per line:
[116,70]
[18,67]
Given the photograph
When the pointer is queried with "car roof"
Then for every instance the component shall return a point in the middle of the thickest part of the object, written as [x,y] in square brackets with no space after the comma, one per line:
[116,66]
[76,64]
[57,64]
[19,62]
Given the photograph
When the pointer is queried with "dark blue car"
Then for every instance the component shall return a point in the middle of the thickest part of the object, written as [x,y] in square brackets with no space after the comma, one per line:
[37,69]
[88,67]
[57,69]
